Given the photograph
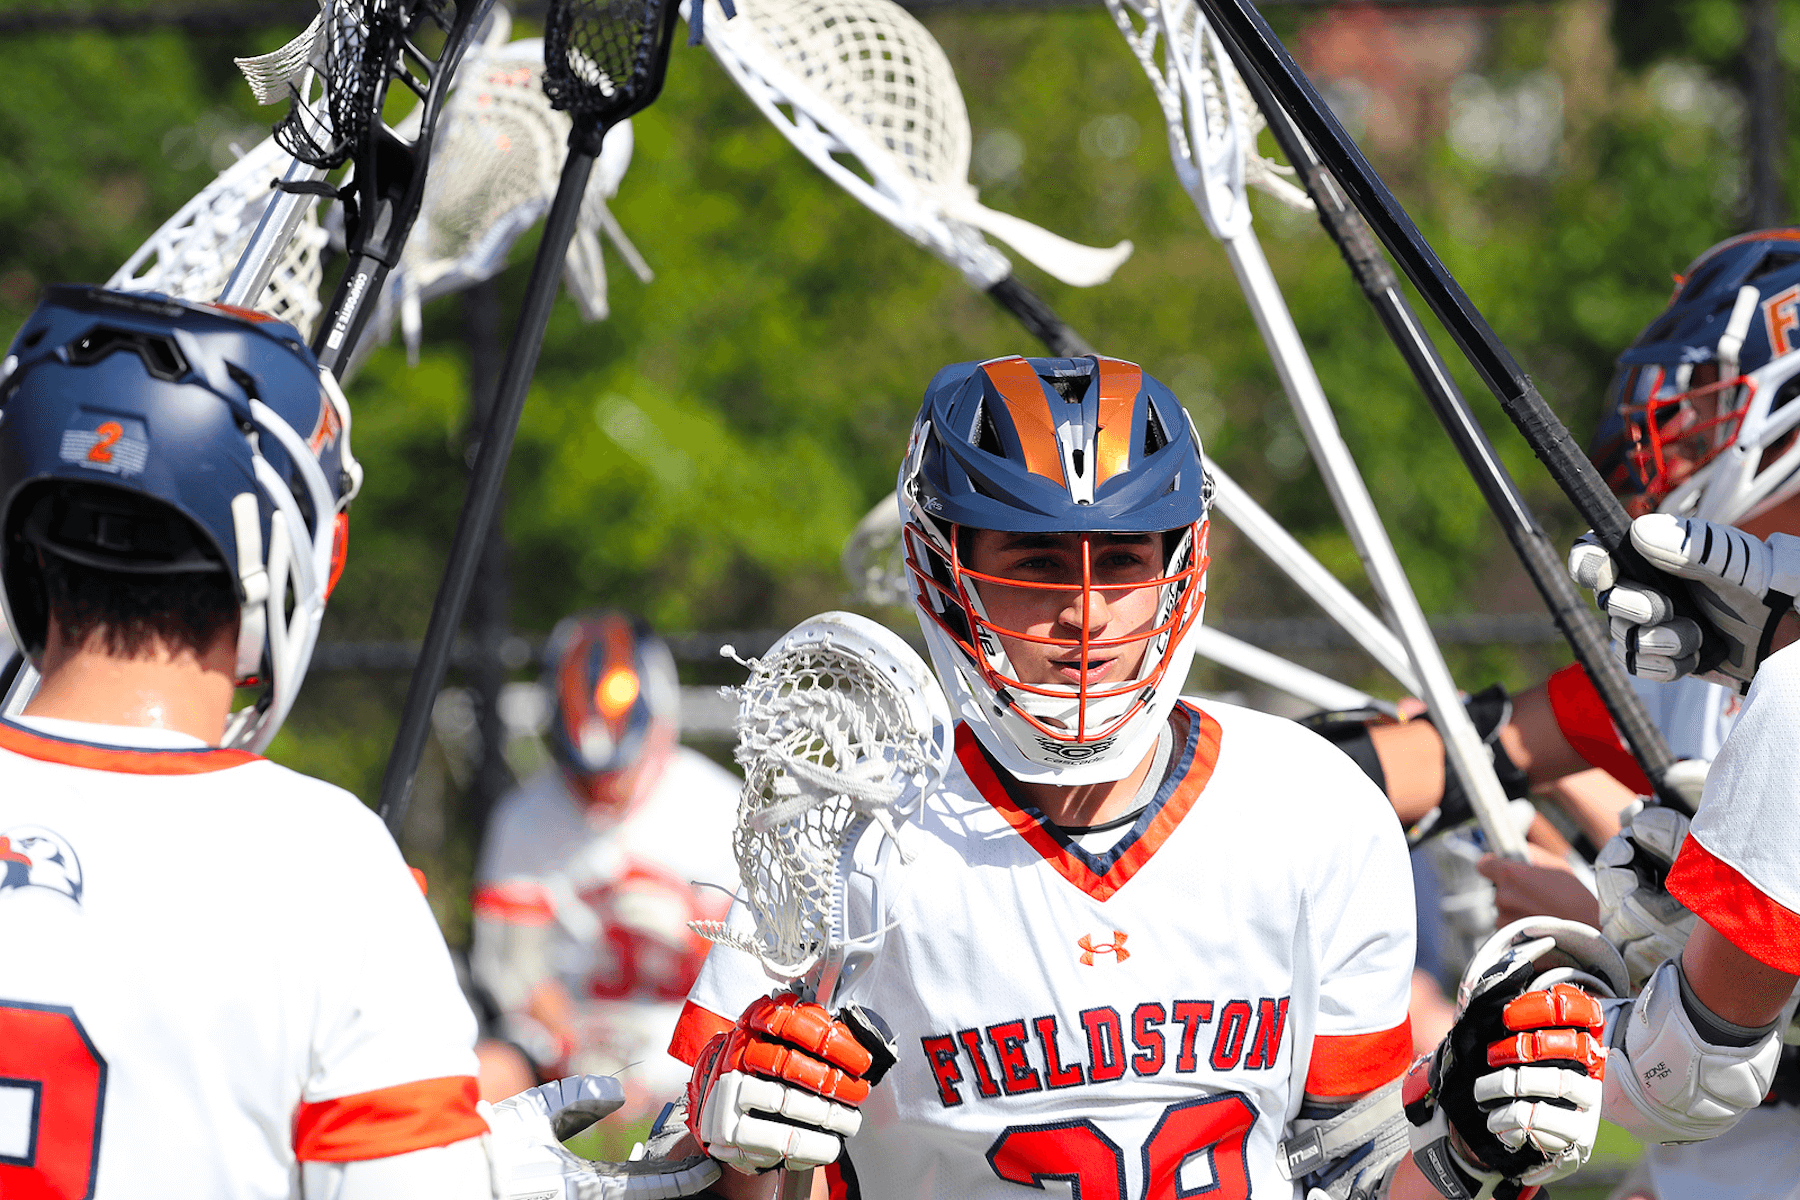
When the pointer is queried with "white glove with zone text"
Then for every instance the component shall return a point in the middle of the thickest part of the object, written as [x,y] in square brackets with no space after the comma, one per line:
[1637,914]
[1510,1100]
[530,1161]
[1743,586]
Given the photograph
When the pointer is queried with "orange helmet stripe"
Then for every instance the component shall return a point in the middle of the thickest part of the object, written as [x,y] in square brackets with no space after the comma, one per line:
[1120,383]
[1029,405]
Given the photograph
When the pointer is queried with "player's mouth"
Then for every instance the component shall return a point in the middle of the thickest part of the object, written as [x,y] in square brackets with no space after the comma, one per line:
[1069,669]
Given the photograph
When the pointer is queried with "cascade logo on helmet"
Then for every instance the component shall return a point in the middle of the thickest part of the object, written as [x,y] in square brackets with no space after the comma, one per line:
[79,485]
[1701,420]
[1055,535]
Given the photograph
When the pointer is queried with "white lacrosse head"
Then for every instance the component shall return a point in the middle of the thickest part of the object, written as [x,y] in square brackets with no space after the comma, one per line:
[194,252]
[841,723]
[874,560]
[1212,118]
[494,172]
[863,78]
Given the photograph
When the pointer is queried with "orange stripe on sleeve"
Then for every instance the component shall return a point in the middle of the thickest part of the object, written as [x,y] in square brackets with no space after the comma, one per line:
[1719,894]
[513,903]
[696,1027]
[1354,1063]
[388,1121]
[1584,721]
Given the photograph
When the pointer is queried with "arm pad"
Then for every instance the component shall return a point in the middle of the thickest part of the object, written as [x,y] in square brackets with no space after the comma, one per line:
[1665,1082]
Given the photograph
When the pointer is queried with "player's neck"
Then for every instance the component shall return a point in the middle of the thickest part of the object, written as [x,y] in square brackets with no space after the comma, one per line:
[159,689]
[1087,804]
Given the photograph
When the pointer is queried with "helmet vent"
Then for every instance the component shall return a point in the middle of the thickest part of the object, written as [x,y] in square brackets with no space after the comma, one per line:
[160,356]
[1155,436]
[1072,388]
[1771,263]
[987,434]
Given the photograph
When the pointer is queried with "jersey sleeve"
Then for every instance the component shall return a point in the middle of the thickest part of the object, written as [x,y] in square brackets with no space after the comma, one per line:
[1739,869]
[530,837]
[1364,907]
[729,980]
[391,1064]
[1588,728]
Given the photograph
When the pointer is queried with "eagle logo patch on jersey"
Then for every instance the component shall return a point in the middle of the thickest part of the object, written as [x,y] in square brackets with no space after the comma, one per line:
[32,856]
[1089,948]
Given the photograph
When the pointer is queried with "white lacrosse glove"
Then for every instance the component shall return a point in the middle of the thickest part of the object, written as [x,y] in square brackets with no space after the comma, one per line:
[1637,914]
[1743,585]
[1529,1006]
[782,1086]
[530,1161]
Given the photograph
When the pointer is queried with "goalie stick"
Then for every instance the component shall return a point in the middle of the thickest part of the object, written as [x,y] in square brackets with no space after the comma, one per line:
[1211,135]
[1334,170]
[603,62]
[841,725]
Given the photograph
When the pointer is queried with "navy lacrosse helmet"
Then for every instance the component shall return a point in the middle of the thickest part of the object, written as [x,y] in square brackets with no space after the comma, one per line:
[142,434]
[1055,446]
[618,707]
[1699,419]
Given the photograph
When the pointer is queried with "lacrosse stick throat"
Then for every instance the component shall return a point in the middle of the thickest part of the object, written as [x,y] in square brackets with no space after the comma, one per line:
[1334,169]
[603,62]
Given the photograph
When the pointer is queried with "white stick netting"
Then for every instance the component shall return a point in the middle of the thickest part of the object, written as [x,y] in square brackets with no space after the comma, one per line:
[494,173]
[838,725]
[1225,120]
[864,79]
[194,252]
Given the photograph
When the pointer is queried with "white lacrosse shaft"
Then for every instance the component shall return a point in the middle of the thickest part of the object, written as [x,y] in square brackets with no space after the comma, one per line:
[1281,548]
[271,236]
[1210,149]
[1279,673]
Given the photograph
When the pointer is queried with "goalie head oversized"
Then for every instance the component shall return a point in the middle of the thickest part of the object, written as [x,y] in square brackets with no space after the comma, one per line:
[1055,538]
[150,436]
[1700,420]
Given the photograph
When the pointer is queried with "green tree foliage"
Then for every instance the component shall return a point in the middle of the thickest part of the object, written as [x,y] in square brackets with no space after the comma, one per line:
[701,455]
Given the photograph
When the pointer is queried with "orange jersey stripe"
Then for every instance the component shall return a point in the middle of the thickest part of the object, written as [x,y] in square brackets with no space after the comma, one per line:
[388,1121]
[46,748]
[1100,887]
[1353,1063]
[513,903]
[1718,894]
[696,1027]
[1023,392]
[1582,717]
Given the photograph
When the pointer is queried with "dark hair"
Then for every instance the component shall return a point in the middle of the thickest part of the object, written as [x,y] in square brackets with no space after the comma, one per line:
[134,612]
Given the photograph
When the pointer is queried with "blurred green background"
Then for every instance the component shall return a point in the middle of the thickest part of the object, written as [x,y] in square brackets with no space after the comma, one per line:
[701,455]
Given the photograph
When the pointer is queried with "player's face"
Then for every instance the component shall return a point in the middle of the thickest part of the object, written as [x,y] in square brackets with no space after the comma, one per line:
[1114,608]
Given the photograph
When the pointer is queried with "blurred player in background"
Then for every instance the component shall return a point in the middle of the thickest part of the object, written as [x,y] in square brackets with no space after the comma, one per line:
[592,869]
[220,978]
[1147,946]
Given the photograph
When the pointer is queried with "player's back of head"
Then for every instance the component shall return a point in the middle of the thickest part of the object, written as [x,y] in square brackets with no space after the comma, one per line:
[168,469]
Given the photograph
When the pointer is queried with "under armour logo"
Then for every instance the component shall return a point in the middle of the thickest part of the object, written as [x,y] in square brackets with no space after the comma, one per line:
[1116,948]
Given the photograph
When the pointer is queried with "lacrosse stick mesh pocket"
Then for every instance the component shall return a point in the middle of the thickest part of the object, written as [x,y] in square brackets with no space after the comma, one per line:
[605,59]
[827,742]
[356,52]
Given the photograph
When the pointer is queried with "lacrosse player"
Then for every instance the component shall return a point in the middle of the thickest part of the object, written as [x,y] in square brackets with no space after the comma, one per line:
[587,878]
[1143,945]
[219,977]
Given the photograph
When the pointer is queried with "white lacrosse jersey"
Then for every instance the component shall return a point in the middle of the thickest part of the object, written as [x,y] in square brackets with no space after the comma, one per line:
[1140,1022]
[605,909]
[1740,866]
[212,969]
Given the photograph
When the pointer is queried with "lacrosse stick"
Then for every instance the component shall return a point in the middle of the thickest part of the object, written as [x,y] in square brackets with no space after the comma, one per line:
[191,255]
[1585,632]
[840,726]
[498,155]
[1209,117]
[356,49]
[603,62]
[863,80]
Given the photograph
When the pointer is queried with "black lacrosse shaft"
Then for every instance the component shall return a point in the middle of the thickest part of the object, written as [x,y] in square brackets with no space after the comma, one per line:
[484,486]
[1575,617]
[1038,318]
[1286,95]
